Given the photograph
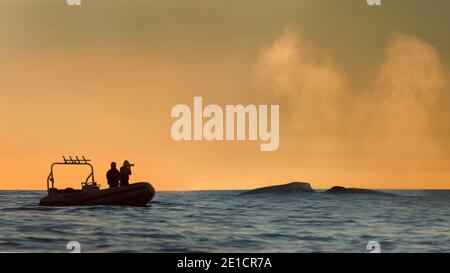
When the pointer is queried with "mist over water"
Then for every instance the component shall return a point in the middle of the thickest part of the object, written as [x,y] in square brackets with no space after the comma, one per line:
[222,221]
[391,117]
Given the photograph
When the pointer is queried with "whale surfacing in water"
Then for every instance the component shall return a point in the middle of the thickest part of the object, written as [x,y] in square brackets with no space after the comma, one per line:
[342,190]
[294,187]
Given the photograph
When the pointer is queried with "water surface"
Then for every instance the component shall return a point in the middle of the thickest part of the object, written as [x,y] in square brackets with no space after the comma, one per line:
[223,221]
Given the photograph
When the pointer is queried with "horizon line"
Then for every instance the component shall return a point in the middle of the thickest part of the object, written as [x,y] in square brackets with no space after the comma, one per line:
[194,190]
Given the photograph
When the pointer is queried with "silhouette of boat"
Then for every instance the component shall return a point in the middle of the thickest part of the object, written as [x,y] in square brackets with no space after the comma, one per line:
[136,194]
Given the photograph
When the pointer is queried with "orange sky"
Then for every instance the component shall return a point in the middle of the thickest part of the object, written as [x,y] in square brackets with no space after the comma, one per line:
[356,108]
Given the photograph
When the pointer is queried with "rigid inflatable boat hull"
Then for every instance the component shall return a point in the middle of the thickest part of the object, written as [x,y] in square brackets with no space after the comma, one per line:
[137,194]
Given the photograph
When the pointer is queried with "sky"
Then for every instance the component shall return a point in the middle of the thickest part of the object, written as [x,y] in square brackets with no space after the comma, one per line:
[363,91]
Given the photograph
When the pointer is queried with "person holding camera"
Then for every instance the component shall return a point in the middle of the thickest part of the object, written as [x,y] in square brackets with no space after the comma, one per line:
[125,172]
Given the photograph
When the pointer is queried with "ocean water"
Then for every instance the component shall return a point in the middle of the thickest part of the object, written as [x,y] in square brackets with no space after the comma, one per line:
[223,221]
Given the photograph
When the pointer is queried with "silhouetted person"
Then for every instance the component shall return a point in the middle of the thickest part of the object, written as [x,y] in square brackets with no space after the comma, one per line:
[113,176]
[125,172]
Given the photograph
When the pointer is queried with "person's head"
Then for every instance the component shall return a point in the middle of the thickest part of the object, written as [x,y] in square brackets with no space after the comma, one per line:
[126,163]
[113,165]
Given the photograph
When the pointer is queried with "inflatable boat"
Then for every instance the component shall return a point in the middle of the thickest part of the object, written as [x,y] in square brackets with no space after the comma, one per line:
[90,194]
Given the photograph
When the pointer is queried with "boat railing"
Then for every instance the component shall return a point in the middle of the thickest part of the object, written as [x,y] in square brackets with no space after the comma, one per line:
[90,180]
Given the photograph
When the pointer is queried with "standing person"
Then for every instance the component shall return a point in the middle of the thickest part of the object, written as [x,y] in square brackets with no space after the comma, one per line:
[113,176]
[125,172]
